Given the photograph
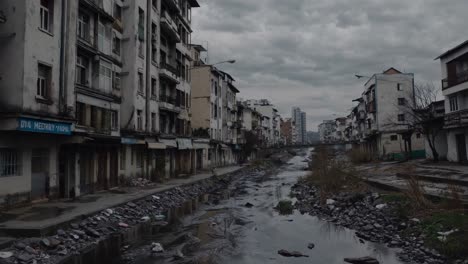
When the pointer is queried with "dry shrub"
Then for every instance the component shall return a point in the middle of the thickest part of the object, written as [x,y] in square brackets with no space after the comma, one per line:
[358,156]
[331,175]
[417,195]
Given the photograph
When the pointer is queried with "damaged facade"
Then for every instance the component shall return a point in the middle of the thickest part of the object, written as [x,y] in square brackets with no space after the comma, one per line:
[94,93]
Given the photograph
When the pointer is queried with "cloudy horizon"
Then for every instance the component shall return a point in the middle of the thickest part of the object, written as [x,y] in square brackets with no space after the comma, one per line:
[305,53]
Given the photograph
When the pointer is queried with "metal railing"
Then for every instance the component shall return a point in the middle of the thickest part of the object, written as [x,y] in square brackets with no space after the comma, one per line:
[461,77]
[456,119]
[170,68]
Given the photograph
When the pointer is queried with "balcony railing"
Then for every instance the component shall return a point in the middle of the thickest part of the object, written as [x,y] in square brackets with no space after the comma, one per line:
[170,68]
[460,78]
[456,119]
[167,99]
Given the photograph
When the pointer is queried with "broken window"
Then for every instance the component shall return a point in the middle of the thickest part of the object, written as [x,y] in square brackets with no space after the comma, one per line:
[81,114]
[114,120]
[43,81]
[140,82]
[401,101]
[82,66]
[153,122]
[83,26]
[401,117]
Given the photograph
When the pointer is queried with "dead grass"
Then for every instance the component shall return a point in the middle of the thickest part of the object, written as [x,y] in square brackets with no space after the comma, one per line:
[332,175]
[358,156]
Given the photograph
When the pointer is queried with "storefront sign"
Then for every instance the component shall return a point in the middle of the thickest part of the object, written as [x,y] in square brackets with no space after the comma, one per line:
[44,126]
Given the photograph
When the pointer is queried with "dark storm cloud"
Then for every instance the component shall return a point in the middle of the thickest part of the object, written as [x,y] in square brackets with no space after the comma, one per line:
[305,52]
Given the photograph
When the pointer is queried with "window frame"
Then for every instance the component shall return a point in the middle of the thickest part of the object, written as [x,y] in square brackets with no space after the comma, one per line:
[139,117]
[393,137]
[453,103]
[46,14]
[10,162]
[43,83]
[401,118]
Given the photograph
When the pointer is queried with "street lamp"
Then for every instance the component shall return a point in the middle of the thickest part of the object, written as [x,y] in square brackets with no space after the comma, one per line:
[227,61]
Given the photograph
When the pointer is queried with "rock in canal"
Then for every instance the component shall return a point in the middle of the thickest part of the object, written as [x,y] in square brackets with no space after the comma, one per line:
[6,254]
[310,245]
[295,254]
[157,247]
[363,260]
[248,205]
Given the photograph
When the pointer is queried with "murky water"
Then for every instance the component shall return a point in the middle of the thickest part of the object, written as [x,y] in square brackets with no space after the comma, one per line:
[234,233]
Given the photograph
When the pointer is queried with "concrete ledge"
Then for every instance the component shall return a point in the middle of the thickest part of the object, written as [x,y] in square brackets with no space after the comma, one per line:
[23,228]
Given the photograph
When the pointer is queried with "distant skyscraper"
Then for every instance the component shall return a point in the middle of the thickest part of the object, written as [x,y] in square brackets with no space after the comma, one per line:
[299,118]
[304,127]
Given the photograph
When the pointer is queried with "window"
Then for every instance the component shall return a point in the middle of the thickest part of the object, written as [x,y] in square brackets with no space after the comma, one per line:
[418,135]
[155,4]
[46,15]
[105,73]
[453,103]
[10,162]
[401,117]
[141,49]
[140,82]
[401,101]
[154,87]
[82,64]
[394,137]
[43,80]
[81,114]
[153,122]
[83,26]
[139,120]
[141,25]
[123,157]
[116,44]
[104,37]
[117,81]
[154,50]
[399,87]
[114,119]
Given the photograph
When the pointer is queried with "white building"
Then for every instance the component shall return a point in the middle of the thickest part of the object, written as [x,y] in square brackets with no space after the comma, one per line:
[386,97]
[300,121]
[270,120]
[454,65]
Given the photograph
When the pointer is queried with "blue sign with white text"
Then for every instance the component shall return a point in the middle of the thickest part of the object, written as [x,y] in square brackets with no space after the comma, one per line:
[43,126]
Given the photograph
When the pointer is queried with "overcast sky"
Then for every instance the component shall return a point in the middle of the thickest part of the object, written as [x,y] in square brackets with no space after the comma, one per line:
[305,52]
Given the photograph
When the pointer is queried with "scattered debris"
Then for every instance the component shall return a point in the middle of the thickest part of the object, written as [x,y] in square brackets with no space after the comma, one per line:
[295,254]
[364,260]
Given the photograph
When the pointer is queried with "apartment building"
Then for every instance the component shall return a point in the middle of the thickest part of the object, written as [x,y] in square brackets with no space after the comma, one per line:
[270,121]
[327,131]
[454,66]
[95,91]
[386,97]
[36,108]
[213,99]
[287,128]
[300,121]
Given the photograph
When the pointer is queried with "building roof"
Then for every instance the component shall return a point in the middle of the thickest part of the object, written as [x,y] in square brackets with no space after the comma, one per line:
[193,3]
[453,50]
[391,70]
[198,47]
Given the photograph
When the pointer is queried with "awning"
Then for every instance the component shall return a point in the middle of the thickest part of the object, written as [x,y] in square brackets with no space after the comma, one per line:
[132,141]
[184,143]
[170,143]
[201,145]
[156,146]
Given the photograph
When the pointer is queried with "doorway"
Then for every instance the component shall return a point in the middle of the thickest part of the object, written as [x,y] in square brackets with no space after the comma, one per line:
[461,148]
[67,172]
[39,174]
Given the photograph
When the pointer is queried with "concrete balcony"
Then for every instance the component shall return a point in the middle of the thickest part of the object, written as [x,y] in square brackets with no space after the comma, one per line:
[168,103]
[169,26]
[456,119]
[169,72]
[184,49]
